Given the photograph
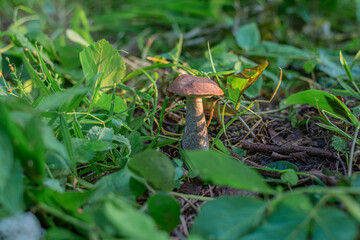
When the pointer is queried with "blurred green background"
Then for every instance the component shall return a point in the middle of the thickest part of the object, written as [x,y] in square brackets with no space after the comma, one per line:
[298,35]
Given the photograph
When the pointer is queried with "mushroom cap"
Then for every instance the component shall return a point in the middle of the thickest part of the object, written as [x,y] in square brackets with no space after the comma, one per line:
[188,85]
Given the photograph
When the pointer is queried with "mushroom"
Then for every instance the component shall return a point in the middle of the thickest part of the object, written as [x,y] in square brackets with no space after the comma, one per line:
[194,89]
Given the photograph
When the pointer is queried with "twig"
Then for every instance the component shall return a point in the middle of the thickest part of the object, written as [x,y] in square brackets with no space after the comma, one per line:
[287,149]
[268,172]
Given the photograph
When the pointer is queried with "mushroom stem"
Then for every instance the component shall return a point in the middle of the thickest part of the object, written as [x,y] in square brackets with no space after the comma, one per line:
[195,135]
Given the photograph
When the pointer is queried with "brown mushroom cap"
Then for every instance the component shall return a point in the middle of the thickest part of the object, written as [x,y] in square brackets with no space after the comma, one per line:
[188,85]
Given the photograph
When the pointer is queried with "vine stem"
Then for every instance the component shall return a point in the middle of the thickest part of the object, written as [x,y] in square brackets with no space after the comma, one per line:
[182,195]
[352,155]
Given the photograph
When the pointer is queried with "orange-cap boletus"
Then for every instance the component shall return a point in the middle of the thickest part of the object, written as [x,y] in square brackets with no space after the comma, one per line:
[194,89]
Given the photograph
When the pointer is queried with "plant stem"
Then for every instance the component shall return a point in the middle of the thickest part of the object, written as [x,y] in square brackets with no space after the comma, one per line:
[351,161]
[183,195]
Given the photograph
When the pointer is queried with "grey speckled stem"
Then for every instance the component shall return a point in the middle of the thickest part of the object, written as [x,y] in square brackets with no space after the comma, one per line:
[195,135]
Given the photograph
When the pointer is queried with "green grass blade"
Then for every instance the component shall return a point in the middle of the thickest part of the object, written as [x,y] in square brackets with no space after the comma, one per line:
[67,141]
[54,86]
[35,78]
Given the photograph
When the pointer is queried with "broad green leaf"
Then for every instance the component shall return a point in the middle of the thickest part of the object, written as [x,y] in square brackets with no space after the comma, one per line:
[165,210]
[224,170]
[21,123]
[352,206]
[246,78]
[323,101]
[57,233]
[121,183]
[104,100]
[332,223]
[115,216]
[136,142]
[60,100]
[282,165]
[155,168]
[85,150]
[70,201]
[271,49]
[288,221]
[220,145]
[12,192]
[57,156]
[228,218]
[6,158]
[254,89]
[289,176]
[117,138]
[242,81]
[248,36]
[101,56]
[101,133]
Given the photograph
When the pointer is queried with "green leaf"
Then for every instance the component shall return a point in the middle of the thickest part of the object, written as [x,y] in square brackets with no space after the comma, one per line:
[220,145]
[289,220]
[155,168]
[346,67]
[271,49]
[101,133]
[60,100]
[224,170]
[329,67]
[71,201]
[103,100]
[136,142]
[332,223]
[19,38]
[323,101]
[339,144]
[6,158]
[67,141]
[349,89]
[75,37]
[165,210]
[248,36]
[22,124]
[85,150]
[122,140]
[101,56]
[283,165]
[228,218]
[121,183]
[35,78]
[254,89]
[57,233]
[290,177]
[115,216]
[309,66]
[12,192]
[53,84]
[352,206]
